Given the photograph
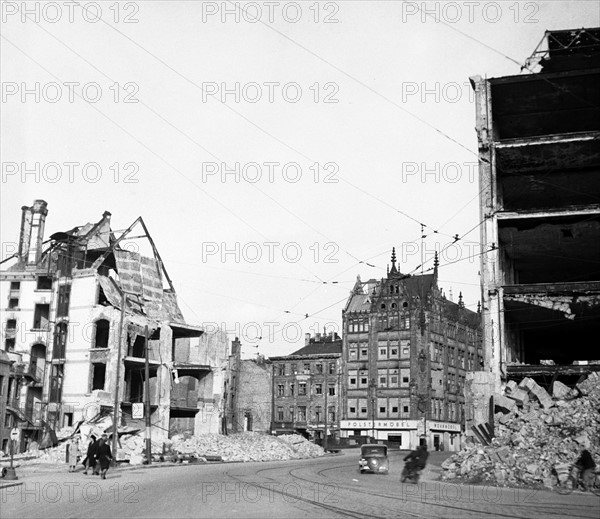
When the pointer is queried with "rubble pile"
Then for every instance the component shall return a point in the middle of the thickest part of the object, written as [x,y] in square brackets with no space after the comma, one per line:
[246,446]
[537,437]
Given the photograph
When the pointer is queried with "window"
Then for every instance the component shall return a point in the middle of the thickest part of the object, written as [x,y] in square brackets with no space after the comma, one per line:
[280,414]
[281,369]
[395,410]
[41,317]
[280,390]
[364,381]
[60,341]
[44,283]
[291,413]
[1,385]
[293,368]
[353,381]
[382,353]
[318,413]
[382,410]
[383,381]
[302,413]
[318,389]
[101,336]
[352,410]
[331,390]
[13,302]
[331,414]
[319,368]
[15,285]
[364,353]
[405,380]
[307,369]
[302,388]
[292,388]
[363,410]
[332,368]
[7,420]
[394,379]
[405,409]
[11,325]
[98,376]
[352,354]
[9,344]
[394,352]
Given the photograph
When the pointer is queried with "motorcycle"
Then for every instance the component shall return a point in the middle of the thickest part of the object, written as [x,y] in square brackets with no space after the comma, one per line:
[410,474]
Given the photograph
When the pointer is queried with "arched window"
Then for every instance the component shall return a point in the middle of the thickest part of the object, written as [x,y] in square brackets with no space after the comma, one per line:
[383,306]
[101,335]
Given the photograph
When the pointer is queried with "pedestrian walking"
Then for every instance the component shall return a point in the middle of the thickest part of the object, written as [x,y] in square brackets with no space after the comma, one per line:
[73,453]
[90,458]
[103,456]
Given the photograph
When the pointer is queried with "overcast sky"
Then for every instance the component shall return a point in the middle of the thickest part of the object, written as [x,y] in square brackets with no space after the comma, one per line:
[351,124]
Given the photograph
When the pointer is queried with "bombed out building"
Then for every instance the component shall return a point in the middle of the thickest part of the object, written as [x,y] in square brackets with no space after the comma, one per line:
[539,168]
[77,310]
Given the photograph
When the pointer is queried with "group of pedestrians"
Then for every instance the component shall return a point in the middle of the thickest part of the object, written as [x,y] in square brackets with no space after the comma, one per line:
[98,456]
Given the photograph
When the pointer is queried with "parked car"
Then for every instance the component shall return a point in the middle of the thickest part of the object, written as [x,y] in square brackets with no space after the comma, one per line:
[374,458]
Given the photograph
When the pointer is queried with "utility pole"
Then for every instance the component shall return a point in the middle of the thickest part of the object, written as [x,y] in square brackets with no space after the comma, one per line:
[117,403]
[147,403]
[326,410]
[373,389]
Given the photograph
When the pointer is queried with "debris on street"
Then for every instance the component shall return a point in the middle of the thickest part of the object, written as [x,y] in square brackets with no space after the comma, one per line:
[536,440]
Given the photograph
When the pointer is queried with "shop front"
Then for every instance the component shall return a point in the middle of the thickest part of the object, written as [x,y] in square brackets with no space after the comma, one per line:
[403,434]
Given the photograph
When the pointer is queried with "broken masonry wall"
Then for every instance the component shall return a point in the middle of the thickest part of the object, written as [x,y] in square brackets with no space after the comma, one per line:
[479,387]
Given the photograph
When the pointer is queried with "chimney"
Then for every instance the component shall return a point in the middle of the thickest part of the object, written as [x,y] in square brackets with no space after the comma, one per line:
[33,220]
[306,339]
[317,337]
[236,347]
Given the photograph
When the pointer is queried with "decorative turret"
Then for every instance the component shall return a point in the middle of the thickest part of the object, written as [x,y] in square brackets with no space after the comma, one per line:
[394,270]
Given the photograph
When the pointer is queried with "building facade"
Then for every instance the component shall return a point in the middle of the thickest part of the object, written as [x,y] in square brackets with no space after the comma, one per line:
[306,389]
[247,393]
[76,313]
[406,352]
[539,170]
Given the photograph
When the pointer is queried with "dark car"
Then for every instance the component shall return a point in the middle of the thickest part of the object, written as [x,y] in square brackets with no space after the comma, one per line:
[374,458]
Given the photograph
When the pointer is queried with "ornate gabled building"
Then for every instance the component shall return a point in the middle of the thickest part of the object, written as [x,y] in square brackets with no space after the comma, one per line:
[406,352]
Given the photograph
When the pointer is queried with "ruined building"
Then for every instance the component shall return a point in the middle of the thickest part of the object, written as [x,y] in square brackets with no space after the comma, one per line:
[247,393]
[306,389]
[76,311]
[406,354]
[539,168]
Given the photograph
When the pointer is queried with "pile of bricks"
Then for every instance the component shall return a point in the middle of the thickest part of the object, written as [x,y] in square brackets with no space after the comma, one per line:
[246,446]
[537,436]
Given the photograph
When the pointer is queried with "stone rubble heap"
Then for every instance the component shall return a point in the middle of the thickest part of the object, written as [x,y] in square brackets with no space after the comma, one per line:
[537,437]
[246,446]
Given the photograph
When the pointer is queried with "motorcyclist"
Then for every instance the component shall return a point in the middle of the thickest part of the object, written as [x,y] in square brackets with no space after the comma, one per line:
[417,459]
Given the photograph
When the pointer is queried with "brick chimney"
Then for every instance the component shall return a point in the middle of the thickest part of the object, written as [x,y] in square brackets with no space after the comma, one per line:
[33,220]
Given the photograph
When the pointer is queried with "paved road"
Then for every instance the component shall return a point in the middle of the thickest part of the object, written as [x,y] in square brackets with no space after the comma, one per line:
[324,487]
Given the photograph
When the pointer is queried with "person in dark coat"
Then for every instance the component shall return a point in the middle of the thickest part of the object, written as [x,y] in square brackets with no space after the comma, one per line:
[586,465]
[103,456]
[90,457]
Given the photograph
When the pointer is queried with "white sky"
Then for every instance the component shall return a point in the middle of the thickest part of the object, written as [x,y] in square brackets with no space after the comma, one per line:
[404,107]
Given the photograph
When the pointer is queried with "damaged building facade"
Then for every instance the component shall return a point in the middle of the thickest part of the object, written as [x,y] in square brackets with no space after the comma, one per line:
[77,312]
[246,393]
[406,354]
[539,169]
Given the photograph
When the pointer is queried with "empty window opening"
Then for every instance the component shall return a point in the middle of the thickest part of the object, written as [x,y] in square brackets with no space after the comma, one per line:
[98,376]
[102,332]
[44,283]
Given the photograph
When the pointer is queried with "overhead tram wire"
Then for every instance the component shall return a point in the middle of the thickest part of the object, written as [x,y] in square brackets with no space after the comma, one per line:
[290,147]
